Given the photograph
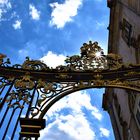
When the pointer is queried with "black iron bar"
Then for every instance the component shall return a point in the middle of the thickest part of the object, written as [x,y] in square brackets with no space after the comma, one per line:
[37,97]
[1,94]
[5,97]
[2,89]
[31,101]
[17,121]
[8,124]
[4,116]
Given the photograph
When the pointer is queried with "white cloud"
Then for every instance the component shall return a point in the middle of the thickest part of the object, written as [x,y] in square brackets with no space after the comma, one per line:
[63,13]
[76,105]
[97,114]
[72,102]
[17,24]
[52,60]
[34,13]
[1,12]
[104,132]
[5,5]
[14,15]
[75,125]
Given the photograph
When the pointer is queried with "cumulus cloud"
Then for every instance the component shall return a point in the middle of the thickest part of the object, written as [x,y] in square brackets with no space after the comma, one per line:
[97,114]
[104,132]
[17,24]
[63,13]
[5,5]
[34,13]
[1,12]
[52,60]
[74,125]
[72,102]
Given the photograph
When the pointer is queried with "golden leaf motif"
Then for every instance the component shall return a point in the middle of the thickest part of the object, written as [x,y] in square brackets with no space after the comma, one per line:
[98,76]
[25,82]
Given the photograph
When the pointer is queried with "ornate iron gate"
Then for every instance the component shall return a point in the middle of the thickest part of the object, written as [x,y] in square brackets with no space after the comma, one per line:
[28,91]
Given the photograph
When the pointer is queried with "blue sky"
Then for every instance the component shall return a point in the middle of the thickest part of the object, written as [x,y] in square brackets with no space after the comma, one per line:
[50,30]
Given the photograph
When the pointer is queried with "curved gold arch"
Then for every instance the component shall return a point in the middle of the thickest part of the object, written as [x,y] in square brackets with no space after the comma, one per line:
[63,94]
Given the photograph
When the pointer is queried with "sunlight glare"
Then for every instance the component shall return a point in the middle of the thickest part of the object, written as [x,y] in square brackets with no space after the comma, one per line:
[98,54]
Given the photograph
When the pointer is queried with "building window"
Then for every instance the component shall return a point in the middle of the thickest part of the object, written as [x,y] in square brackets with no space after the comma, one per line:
[126,31]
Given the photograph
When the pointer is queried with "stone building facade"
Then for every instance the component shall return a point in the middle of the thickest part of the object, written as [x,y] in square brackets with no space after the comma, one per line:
[122,105]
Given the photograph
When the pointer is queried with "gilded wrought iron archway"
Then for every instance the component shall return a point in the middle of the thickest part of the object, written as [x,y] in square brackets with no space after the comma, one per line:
[32,88]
